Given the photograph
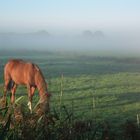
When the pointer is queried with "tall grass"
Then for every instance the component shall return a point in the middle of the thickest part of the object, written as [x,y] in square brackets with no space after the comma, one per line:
[20,124]
[61,93]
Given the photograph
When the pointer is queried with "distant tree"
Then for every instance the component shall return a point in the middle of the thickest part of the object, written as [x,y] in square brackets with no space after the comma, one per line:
[88,33]
[98,34]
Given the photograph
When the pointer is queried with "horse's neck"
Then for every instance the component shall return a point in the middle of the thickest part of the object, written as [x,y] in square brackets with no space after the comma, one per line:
[42,88]
[43,98]
[42,92]
[41,84]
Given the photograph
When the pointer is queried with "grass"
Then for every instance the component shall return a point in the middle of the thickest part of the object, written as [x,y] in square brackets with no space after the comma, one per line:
[94,88]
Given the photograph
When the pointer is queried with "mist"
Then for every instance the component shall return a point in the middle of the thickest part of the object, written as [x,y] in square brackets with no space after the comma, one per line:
[86,40]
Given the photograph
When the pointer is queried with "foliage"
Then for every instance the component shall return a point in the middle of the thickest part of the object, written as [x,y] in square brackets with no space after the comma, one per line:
[98,96]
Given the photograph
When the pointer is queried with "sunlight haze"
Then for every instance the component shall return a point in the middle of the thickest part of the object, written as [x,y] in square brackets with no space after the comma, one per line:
[67,20]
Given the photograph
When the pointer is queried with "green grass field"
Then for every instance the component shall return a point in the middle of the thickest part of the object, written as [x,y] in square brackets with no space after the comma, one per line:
[98,88]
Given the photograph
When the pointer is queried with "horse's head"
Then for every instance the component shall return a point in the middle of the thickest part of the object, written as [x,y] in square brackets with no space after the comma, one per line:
[44,102]
[45,97]
[48,94]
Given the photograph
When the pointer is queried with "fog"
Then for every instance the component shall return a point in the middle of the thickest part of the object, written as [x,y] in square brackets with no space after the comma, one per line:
[86,40]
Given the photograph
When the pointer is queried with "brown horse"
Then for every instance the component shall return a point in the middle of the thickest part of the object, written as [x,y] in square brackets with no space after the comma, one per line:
[18,72]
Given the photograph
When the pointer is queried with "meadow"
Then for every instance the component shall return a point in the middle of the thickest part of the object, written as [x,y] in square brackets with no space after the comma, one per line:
[103,89]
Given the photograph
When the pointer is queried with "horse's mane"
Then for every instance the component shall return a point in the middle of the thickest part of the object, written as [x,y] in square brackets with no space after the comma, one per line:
[36,67]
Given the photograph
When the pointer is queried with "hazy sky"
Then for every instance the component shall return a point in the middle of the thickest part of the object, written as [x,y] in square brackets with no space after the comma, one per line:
[70,15]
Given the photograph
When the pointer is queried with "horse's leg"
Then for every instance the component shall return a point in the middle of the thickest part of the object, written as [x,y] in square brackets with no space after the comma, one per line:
[32,94]
[13,90]
[31,91]
[29,98]
[7,80]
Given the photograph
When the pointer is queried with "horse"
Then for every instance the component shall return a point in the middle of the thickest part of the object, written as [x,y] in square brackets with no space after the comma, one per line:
[19,72]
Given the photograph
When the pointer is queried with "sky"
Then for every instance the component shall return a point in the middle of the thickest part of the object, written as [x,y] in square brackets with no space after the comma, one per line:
[66,21]
[58,16]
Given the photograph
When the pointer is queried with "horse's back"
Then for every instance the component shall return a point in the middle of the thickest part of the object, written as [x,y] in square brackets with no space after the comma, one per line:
[18,64]
[20,71]
[12,63]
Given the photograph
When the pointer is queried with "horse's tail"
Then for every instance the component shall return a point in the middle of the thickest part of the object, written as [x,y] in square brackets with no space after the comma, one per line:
[10,85]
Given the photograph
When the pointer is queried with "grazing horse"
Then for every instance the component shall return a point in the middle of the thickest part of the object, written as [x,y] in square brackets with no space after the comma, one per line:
[18,72]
